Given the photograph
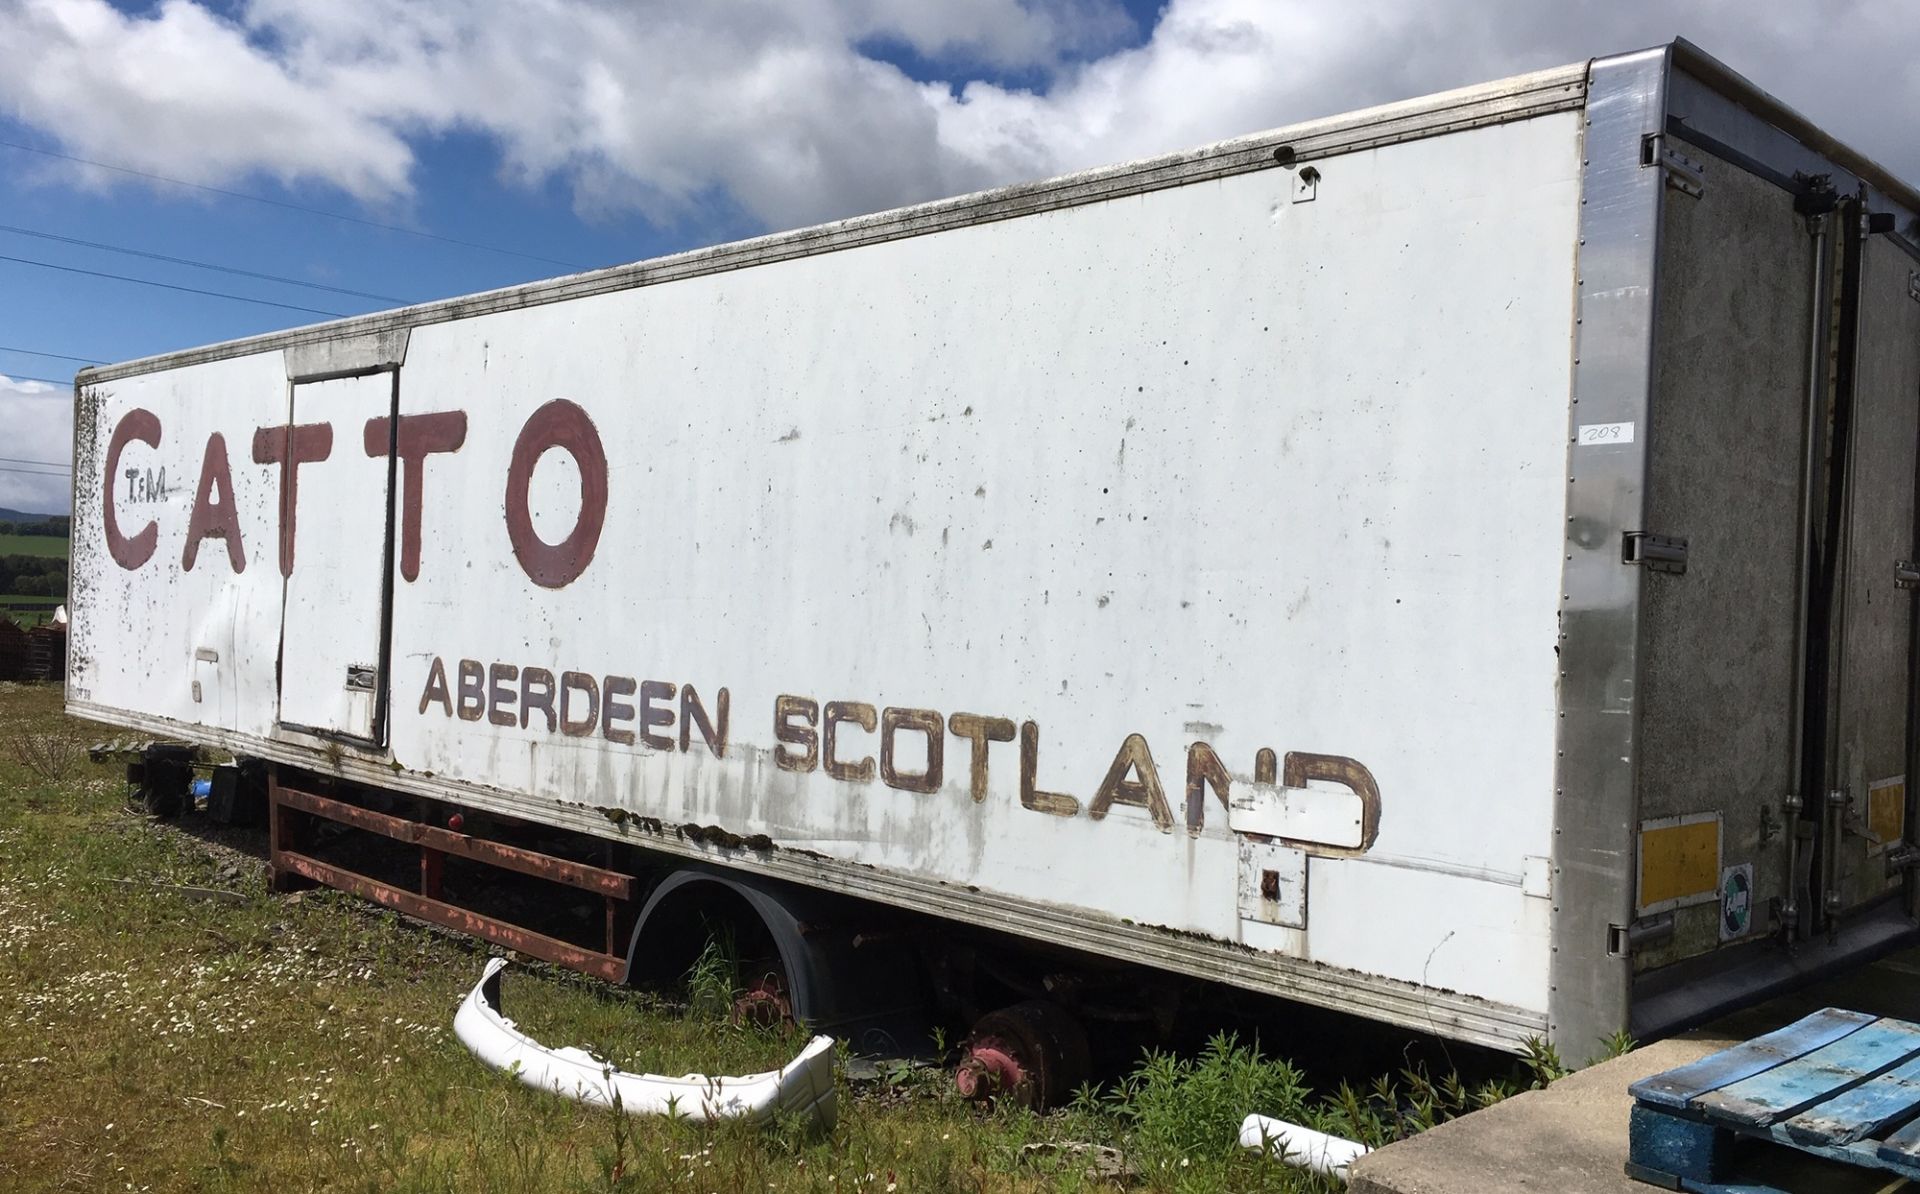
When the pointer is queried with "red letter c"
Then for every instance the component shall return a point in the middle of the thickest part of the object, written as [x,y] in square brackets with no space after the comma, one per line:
[129,553]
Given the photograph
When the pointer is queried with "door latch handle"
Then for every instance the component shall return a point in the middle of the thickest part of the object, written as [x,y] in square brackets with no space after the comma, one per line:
[1906,574]
[362,677]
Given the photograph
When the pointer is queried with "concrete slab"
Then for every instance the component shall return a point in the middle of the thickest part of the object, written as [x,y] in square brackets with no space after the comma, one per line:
[1572,1137]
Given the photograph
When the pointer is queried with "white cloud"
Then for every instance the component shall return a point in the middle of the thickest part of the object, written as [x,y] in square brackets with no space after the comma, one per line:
[1220,68]
[39,423]
[184,94]
[772,105]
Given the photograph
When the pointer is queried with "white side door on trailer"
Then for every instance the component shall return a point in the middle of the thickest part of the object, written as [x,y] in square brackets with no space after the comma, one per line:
[333,629]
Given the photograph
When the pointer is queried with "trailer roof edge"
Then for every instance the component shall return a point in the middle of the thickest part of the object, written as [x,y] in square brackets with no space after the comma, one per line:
[1734,86]
[1516,98]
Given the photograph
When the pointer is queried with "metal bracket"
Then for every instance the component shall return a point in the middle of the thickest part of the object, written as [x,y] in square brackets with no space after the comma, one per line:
[1770,827]
[1902,858]
[1306,185]
[1657,553]
[1818,198]
[1683,173]
[361,676]
[1913,286]
[1906,574]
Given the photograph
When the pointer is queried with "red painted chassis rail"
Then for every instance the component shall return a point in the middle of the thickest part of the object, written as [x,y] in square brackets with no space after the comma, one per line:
[435,844]
[461,845]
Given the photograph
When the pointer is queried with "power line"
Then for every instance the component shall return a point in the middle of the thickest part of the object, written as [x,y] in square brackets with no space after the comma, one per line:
[312,211]
[60,464]
[52,381]
[239,298]
[58,356]
[8,468]
[225,269]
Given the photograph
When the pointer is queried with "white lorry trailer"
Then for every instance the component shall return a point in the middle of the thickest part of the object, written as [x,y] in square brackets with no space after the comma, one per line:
[1450,562]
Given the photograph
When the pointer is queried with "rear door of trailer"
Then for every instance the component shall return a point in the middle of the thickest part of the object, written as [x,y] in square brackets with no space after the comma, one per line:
[1776,716]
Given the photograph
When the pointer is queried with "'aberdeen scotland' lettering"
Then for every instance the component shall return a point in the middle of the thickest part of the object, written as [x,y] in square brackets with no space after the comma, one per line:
[854,742]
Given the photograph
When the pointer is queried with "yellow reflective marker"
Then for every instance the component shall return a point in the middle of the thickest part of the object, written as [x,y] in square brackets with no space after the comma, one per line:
[1679,862]
[1887,810]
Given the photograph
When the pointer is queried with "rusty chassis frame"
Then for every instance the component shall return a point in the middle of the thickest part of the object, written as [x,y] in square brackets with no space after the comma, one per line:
[289,805]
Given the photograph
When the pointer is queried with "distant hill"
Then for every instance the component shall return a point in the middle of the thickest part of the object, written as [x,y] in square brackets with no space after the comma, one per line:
[51,547]
[42,535]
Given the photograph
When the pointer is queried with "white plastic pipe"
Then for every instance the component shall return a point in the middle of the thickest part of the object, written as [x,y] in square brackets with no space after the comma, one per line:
[803,1086]
[1301,1146]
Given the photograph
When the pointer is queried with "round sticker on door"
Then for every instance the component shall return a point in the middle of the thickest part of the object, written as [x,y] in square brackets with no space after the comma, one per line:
[1736,901]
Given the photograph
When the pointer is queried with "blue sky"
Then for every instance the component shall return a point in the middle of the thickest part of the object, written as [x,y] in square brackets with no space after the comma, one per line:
[459,194]
[582,134]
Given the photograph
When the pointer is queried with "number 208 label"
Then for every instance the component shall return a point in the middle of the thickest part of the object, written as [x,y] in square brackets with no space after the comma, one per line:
[1600,434]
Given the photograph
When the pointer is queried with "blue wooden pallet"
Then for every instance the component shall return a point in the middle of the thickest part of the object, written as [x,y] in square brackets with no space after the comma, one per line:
[1838,1084]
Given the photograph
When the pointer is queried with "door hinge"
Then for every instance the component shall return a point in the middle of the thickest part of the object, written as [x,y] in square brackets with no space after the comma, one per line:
[1683,173]
[361,676]
[1658,553]
[1906,574]
[1623,940]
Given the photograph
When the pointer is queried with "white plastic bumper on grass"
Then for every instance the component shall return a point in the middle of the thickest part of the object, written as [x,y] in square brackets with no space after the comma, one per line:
[1301,1146]
[803,1086]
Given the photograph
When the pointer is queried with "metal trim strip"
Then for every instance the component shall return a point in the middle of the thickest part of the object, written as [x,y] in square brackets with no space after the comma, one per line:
[1683,131]
[1596,777]
[1444,1013]
[1718,77]
[1517,98]
[1711,106]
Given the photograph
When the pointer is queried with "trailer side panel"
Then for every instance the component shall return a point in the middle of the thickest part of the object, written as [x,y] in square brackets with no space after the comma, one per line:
[1175,575]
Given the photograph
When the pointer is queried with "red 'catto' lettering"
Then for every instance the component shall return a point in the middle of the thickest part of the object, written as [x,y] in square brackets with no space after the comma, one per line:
[129,551]
[217,518]
[558,424]
[290,446]
[413,439]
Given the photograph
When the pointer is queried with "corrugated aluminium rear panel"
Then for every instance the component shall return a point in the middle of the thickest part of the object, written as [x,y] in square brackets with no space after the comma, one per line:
[1726,435]
[1873,677]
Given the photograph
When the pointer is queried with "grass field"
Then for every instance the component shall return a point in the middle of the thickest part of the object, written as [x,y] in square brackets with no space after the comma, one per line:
[50,546]
[155,1039]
